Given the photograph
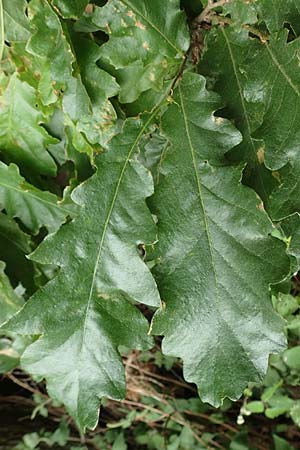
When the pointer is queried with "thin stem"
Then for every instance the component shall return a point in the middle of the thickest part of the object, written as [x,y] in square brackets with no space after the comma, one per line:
[1,30]
[25,386]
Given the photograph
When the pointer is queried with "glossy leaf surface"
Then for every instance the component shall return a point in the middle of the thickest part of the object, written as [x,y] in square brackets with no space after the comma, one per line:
[86,312]
[216,312]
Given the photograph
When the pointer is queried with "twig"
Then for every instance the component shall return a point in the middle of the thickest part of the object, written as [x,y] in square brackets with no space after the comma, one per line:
[25,386]
[180,419]
[161,377]
[211,419]
[210,6]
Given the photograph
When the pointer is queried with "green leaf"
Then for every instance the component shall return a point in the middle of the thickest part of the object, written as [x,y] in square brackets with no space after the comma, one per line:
[291,228]
[286,304]
[274,15]
[86,312]
[241,12]
[22,138]
[227,54]
[281,444]
[10,302]
[295,413]
[69,70]
[9,358]
[34,207]
[244,95]
[153,148]
[260,85]
[49,46]
[14,246]
[291,358]
[120,443]
[155,37]
[99,84]
[99,126]
[16,23]
[255,407]
[240,442]
[281,88]
[279,404]
[216,258]
[70,10]
[284,198]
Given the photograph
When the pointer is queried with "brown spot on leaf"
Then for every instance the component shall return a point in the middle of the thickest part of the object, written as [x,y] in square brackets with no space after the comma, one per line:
[104,296]
[261,206]
[89,8]
[260,155]
[140,25]
[276,175]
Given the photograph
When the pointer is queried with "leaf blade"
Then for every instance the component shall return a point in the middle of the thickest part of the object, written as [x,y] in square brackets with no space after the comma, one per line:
[34,207]
[222,239]
[98,258]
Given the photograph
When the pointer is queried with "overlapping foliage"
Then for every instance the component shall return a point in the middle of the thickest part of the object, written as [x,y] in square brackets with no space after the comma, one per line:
[136,137]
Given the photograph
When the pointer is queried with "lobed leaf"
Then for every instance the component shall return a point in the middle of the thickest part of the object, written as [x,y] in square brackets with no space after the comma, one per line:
[260,84]
[272,13]
[86,312]
[216,258]
[154,36]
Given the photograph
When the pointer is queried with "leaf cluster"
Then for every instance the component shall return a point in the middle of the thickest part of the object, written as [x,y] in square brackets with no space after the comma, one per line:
[149,167]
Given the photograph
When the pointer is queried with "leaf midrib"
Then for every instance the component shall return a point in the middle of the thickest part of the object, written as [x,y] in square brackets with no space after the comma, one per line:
[282,71]
[239,89]
[200,196]
[99,251]
[199,188]
[243,104]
